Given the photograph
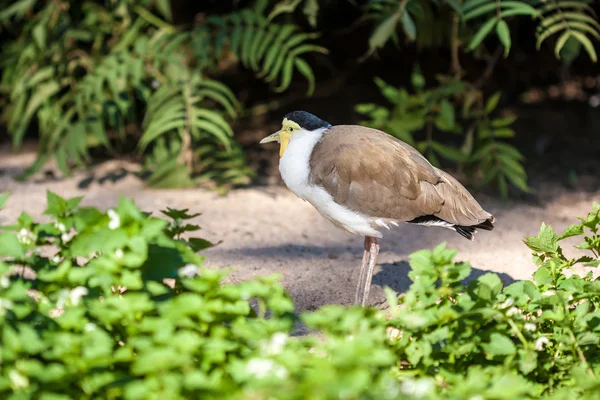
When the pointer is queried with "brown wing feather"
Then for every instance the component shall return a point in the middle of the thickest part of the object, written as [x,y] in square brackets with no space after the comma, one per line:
[375,174]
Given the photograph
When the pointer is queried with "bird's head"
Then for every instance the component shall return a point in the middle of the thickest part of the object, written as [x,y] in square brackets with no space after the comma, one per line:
[294,123]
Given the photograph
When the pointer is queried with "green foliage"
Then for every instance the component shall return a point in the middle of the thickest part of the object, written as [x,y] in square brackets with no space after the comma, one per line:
[528,340]
[457,108]
[117,304]
[273,51]
[574,21]
[88,75]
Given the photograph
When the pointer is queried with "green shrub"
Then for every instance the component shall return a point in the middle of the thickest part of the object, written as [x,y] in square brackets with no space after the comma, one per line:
[526,340]
[91,74]
[116,304]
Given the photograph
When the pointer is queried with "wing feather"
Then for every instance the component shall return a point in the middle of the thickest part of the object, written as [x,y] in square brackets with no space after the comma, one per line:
[375,174]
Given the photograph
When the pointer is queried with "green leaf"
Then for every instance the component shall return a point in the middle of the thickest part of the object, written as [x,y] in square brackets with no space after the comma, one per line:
[499,345]
[409,26]
[542,276]
[447,114]
[492,102]
[164,7]
[39,35]
[311,10]
[546,240]
[197,244]
[587,44]
[449,153]
[307,72]
[384,31]
[492,284]
[42,93]
[482,33]
[504,35]
[527,361]
[285,6]
[10,246]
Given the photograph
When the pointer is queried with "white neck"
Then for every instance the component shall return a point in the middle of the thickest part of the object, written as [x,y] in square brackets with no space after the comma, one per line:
[294,164]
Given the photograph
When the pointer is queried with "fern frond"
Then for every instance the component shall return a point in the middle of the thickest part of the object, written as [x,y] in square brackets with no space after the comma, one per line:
[574,20]
[269,49]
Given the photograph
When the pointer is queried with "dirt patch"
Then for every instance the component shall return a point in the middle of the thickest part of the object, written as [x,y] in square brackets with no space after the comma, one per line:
[268,230]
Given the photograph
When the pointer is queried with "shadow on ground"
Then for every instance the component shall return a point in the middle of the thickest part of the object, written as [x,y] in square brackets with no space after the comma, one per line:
[395,275]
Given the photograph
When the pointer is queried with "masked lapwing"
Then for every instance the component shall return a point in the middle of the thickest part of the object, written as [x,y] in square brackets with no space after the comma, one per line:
[363,180]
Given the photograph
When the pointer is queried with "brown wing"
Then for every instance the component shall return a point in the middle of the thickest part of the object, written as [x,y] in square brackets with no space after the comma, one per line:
[375,174]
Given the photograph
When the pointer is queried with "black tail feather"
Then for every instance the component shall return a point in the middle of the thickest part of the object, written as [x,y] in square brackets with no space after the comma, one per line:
[465,231]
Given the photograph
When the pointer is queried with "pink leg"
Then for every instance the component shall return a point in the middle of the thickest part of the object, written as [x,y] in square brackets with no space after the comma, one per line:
[363,270]
[366,271]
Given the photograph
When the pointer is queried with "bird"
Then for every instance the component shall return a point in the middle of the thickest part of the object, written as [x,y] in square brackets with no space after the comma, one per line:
[364,180]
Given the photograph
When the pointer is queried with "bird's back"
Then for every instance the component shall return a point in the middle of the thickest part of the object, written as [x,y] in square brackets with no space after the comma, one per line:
[375,174]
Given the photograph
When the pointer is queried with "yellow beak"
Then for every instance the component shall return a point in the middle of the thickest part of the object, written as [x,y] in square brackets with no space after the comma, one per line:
[281,137]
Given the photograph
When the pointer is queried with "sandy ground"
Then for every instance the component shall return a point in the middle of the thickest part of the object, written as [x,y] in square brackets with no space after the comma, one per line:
[267,230]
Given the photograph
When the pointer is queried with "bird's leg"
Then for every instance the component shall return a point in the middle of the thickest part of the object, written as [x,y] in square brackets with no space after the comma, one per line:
[363,270]
[373,253]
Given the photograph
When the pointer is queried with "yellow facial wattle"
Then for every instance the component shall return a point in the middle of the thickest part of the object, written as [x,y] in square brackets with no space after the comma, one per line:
[288,128]
[284,140]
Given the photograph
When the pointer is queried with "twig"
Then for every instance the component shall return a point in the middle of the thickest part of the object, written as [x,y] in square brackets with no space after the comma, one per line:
[455,45]
[489,69]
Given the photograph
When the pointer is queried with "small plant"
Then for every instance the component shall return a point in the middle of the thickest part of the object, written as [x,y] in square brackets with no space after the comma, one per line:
[528,340]
[454,110]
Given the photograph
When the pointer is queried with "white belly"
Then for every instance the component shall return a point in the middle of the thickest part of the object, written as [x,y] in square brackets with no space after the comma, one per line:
[294,169]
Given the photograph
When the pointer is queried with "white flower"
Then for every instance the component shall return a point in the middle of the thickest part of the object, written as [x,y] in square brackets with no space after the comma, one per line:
[539,344]
[506,303]
[531,327]
[276,343]
[18,380]
[90,327]
[77,293]
[263,367]
[417,387]
[155,84]
[60,226]
[512,311]
[189,271]
[67,236]
[25,236]
[115,220]
[4,281]
[119,253]
[56,259]
[71,297]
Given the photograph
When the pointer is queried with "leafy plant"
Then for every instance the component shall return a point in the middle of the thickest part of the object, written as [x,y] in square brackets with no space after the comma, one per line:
[116,304]
[459,109]
[89,75]
[576,22]
[528,340]
[270,49]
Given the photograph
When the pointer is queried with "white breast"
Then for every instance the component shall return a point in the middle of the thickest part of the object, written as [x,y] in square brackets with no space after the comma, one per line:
[295,170]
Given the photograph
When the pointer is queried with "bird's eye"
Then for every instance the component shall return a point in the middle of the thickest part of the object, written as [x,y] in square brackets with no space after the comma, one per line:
[291,129]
